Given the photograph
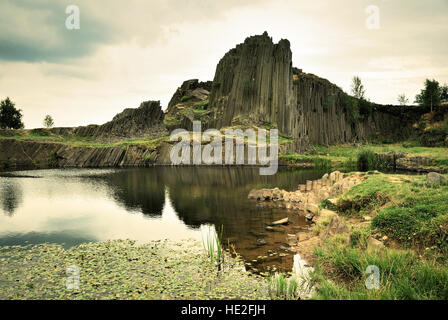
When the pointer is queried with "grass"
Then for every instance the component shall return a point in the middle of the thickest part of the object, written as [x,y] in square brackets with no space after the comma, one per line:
[341,274]
[283,288]
[185,98]
[80,141]
[212,243]
[405,208]
[344,152]
[361,157]
[202,103]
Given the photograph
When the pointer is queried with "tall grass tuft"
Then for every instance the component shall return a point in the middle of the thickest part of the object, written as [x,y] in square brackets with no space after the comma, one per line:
[322,163]
[212,243]
[282,288]
[367,160]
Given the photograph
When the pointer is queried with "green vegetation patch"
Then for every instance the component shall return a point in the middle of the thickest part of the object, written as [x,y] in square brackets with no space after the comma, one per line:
[185,98]
[408,209]
[402,275]
[123,270]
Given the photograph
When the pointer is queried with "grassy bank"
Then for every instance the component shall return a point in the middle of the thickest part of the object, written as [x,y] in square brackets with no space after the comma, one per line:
[345,157]
[410,217]
[123,270]
[75,140]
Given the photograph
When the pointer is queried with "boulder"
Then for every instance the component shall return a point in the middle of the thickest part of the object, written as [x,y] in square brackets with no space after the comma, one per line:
[309,216]
[336,189]
[375,244]
[254,194]
[280,222]
[336,226]
[267,194]
[277,194]
[435,178]
[312,208]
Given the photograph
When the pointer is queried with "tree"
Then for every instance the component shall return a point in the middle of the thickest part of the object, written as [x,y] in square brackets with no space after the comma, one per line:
[403,100]
[48,121]
[430,95]
[358,88]
[444,94]
[10,117]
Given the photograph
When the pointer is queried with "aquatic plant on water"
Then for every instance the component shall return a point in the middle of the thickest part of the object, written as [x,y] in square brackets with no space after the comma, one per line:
[212,242]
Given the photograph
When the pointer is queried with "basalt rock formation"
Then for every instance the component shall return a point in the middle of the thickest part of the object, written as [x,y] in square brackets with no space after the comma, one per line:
[145,121]
[255,83]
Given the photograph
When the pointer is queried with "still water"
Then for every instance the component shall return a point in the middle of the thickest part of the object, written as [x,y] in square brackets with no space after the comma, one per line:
[73,206]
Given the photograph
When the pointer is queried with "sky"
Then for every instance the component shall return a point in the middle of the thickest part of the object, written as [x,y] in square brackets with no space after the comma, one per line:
[126,52]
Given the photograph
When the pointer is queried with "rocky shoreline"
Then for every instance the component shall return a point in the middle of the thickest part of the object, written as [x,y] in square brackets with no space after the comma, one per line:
[307,200]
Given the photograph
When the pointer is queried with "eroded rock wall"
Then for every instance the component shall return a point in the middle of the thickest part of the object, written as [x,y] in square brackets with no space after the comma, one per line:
[255,83]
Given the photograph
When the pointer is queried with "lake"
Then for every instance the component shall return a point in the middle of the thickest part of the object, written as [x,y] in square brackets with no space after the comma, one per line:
[73,206]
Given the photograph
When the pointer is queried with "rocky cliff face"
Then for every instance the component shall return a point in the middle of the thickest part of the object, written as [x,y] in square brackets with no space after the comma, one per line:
[255,83]
[327,117]
[145,121]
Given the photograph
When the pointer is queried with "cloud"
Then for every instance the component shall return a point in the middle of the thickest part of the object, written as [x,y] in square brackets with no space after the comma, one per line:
[34,30]
[136,50]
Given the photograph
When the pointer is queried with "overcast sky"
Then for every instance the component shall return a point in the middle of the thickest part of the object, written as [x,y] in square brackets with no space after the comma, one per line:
[126,52]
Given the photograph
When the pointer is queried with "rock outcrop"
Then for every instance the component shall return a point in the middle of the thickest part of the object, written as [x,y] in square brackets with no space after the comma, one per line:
[190,88]
[435,178]
[19,154]
[308,196]
[145,121]
[255,83]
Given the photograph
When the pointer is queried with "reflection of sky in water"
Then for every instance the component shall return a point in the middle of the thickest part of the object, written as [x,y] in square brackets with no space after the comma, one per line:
[65,207]
[73,206]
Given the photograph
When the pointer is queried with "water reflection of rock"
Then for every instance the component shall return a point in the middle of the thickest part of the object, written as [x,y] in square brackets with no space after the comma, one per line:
[218,196]
[138,190]
[10,196]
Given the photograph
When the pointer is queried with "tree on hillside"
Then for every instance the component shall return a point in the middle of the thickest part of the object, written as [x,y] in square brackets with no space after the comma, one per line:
[444,94]
[430,95]
[358,88]
[48,121]
[10,117]
[403,100]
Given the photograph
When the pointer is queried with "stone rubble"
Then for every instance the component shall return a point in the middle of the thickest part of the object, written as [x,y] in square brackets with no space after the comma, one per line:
[310,195]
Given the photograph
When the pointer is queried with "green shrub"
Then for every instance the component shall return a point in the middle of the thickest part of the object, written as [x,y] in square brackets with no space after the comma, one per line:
[416,226]
[367,160]
[360,205]
[351,107]
[365,108]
